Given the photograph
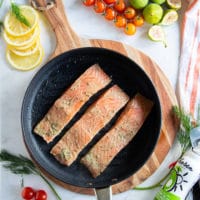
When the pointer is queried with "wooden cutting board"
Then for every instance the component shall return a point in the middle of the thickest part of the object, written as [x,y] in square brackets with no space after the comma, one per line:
[67,40]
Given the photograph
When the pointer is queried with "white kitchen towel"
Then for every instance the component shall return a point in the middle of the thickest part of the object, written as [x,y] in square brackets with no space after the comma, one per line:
[189,65]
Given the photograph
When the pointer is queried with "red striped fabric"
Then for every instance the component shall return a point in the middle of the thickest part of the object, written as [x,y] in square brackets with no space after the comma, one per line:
[189,65]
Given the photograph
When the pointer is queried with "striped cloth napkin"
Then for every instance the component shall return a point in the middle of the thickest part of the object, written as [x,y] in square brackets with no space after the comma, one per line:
[189,65]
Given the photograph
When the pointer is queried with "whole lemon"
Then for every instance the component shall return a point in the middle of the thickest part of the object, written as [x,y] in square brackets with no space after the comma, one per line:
[153,13]
[139,4]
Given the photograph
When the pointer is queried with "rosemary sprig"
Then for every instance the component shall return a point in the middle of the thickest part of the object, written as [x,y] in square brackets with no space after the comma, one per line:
[15,9]
[22,165]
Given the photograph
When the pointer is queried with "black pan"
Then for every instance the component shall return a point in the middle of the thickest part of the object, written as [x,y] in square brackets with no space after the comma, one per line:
[50,82]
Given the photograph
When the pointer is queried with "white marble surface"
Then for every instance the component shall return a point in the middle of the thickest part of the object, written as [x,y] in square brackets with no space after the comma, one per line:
[14,83]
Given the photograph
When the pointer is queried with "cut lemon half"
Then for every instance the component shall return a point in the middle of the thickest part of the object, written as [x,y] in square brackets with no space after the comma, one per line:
[25,63]
[23,40]
[170,16]
[157,34]
[15,28]
[175,4]
[26,52]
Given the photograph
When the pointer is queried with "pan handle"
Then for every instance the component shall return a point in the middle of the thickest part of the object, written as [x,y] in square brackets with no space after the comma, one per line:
[66,37]
[103,193]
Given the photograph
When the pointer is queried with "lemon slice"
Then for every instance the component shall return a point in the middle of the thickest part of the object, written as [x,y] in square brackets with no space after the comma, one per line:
[15,28]
[25,63]
[26,52]
[23,40]
[25,46]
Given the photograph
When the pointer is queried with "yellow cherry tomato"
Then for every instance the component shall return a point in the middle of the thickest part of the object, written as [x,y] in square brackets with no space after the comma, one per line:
[130,29]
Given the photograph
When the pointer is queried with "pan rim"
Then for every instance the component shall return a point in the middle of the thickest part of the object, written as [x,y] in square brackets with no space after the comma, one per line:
[45,69]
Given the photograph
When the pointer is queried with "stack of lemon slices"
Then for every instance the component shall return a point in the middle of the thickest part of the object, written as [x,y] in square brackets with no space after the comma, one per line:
[24,50]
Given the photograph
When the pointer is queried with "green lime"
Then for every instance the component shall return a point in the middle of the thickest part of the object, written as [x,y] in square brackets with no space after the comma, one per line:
[175,4]
[153,13]
[139,4]
[158,1]
[157,34]
[170,16]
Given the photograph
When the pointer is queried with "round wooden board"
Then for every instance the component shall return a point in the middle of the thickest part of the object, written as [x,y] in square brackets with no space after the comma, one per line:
[66,40]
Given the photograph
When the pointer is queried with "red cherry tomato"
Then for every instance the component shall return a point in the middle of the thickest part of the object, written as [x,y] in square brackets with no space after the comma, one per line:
[109,13]
[41,195]
[120,6]
[88,2]
[110,1]
[99,6]
[129,12]
[27,193]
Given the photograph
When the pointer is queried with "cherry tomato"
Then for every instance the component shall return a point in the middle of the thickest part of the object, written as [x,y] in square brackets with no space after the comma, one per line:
[110,1]
[99,6]
[120,6]
[109,13]
[88,2]
[41,195]
[130,29]
[27,193]
[129,12]
[120,21]
[138,20]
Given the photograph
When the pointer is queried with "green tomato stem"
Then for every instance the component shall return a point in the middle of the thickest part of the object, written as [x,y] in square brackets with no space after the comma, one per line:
[50,185]
[158,184]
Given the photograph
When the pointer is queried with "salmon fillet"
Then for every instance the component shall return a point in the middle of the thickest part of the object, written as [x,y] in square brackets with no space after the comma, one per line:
[83,131]
[64,108]
[125,128]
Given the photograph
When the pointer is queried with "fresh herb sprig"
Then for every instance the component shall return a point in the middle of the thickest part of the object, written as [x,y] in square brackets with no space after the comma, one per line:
[198,116]
[1,23]
[186,125]
[1,26]
[1,2]
[15,9]
[183,136]
[23,166]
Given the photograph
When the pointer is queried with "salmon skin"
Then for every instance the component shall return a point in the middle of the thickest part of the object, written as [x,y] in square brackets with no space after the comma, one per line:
[123,131]
[83,131]
[64,109]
